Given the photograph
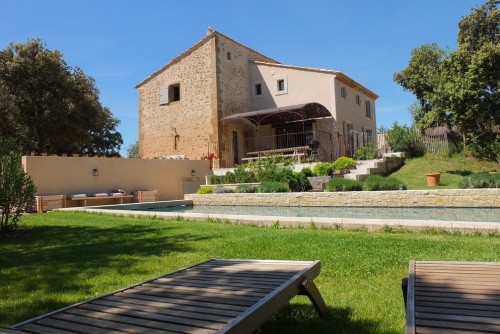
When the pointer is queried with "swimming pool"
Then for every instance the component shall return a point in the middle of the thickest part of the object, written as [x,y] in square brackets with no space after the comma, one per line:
[413,213]
[462,218]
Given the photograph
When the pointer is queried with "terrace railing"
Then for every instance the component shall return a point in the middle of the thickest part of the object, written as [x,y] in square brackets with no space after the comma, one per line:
[321,146]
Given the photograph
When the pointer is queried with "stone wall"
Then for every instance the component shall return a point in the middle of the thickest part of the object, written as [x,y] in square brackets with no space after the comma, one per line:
[183,127]
[410,198]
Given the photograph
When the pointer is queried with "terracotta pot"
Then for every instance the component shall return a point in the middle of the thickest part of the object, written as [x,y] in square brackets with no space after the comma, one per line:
[433,179]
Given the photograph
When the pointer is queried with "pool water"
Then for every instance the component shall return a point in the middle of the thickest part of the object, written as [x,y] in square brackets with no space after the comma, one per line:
[414,213]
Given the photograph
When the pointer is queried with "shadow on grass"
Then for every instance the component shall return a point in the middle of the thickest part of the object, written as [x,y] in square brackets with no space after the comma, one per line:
[459,172]
[301,318]
[53,266]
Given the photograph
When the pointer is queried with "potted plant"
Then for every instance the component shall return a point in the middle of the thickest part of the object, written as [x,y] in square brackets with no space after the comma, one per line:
[433,179]
[320,175]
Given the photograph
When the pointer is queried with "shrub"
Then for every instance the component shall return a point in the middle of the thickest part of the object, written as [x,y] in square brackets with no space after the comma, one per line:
[486,147]
[262,168]
[365,152]
[242,175]
[343,163]
[222,190]
[300,182]
[323,169]
[205,190]
[229,178]
[278,174]
[401,138]
[481,180]
[273,187]
[307,171]
[17,190]
[245,188]
[216,179]
[377,182]
[341,184]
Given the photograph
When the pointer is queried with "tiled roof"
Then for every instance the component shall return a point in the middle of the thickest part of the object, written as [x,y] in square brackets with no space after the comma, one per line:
[211,33]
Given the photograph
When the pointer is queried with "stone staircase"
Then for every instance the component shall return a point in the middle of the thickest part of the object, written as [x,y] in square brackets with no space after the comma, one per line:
[365,168]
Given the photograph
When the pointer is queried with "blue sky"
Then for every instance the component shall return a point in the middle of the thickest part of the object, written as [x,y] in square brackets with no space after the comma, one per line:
[121,42]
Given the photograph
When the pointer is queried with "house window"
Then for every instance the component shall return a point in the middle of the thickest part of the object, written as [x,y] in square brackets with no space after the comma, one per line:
[170,93]
[258,89]
[174,93]
[281,85]
[368,107]
[343,92]
[358,100]
[228,55]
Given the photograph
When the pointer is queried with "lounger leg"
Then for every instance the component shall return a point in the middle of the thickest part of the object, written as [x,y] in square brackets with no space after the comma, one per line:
[404,287]
[310,290]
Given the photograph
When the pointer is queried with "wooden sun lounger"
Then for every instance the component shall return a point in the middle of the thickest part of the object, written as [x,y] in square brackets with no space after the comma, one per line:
[452,297]
[216,296]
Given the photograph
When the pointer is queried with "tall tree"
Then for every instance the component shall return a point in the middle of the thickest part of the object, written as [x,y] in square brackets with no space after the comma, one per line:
[48,106]
[421,77]
[461,88]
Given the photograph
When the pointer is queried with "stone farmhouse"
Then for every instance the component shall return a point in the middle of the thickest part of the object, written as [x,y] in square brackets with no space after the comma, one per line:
[222,99]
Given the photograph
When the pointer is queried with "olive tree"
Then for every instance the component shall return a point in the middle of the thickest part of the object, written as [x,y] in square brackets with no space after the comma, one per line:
[50,107]
[17,190]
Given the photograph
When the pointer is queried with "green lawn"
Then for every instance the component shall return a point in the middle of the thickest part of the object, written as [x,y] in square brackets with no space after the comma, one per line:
[70,257]
[452,170]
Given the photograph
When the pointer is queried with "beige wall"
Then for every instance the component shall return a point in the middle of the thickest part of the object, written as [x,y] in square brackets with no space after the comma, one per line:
[347,109]
[65,175]
[305,85]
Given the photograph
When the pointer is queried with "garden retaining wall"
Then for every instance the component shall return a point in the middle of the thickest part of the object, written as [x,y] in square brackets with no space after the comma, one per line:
[407,198]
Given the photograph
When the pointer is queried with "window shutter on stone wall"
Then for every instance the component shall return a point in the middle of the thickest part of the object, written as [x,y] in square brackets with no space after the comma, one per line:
[163,95]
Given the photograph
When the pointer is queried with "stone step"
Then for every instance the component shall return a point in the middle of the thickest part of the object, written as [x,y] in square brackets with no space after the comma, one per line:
[357,177]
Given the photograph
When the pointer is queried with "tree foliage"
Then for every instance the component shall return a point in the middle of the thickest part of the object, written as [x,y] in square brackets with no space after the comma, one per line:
[460,88]
[50,107]
[133,150]
[16,188]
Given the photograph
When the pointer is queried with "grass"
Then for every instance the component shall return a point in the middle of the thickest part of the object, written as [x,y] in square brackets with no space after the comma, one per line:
[69,257]
[452,170]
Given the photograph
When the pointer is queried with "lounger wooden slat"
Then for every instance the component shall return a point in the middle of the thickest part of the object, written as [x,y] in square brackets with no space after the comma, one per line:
[173,306]
[192,313]
[9,331]
[235,284]
[452,297]
[222,299]
[216,296]
[207,305]
[141,318]
[210,290]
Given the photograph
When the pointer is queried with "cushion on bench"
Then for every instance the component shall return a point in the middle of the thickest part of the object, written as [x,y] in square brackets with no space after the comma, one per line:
[99,195]
[74,196]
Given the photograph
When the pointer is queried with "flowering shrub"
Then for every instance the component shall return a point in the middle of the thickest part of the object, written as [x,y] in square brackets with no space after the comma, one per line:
[210,156]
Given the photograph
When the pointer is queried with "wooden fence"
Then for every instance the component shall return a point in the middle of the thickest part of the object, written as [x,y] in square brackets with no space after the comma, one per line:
[434,140]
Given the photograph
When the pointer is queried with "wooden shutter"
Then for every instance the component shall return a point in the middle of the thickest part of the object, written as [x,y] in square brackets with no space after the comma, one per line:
[163,95]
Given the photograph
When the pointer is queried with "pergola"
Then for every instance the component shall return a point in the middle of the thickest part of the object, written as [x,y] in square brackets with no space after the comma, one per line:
[281,115]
